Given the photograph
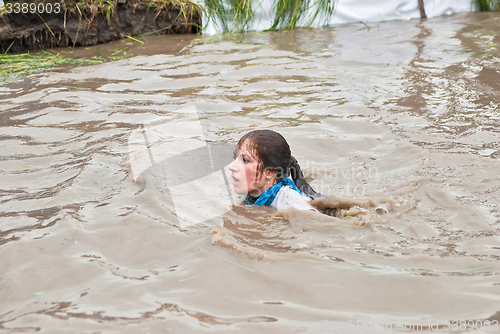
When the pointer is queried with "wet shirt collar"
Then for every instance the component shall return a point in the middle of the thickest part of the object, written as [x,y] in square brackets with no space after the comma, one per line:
[268,196]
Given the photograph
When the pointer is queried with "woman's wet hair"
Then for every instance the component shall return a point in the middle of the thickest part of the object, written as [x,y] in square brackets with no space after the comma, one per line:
[273,153]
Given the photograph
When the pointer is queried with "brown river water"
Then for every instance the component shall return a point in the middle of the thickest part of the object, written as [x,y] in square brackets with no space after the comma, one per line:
[398,123]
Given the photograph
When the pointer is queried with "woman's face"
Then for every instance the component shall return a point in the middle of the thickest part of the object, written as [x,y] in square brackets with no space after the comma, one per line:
[247,179]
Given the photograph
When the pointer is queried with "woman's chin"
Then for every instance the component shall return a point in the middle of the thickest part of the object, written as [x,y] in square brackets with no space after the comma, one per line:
[240,191]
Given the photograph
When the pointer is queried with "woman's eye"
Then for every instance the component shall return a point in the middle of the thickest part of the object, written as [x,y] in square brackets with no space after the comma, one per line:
[245,160]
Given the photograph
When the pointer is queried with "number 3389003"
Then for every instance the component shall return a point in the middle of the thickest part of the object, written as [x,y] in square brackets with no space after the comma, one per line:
[40,8]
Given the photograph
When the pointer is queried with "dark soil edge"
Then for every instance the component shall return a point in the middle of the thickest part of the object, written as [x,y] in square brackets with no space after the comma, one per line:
[70,28]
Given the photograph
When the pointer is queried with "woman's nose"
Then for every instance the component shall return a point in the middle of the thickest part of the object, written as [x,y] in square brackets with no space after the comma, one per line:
[232,166]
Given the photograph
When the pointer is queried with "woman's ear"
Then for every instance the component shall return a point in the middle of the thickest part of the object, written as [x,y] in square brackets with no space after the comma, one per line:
[269,173]
[280,173]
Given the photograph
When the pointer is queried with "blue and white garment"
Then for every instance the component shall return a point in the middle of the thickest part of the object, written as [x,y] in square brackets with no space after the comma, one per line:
[284,195]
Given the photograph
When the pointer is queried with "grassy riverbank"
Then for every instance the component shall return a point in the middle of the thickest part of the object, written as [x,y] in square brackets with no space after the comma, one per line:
[229,16]
[108,7]
[90,22]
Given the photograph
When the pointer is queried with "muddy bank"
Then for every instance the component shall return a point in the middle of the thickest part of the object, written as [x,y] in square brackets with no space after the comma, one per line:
[90,25]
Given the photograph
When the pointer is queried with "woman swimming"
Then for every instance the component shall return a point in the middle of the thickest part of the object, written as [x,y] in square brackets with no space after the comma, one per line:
[260,170]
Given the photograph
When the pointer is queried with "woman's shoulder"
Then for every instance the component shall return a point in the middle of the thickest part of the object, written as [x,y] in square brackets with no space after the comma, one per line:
[290,198]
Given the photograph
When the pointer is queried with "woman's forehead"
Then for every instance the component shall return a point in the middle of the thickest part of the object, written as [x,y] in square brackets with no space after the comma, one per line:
[245,149]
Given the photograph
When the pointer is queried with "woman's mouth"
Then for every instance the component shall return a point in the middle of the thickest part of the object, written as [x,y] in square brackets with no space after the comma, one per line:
[235,180]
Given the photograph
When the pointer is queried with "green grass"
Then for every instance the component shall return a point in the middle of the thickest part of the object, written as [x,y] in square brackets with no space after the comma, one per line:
[487,5]
[289,13]
[16,65]
[229,16]
[236,16]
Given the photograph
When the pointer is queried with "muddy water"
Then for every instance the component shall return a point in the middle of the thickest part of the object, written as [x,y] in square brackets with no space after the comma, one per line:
[397,123]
